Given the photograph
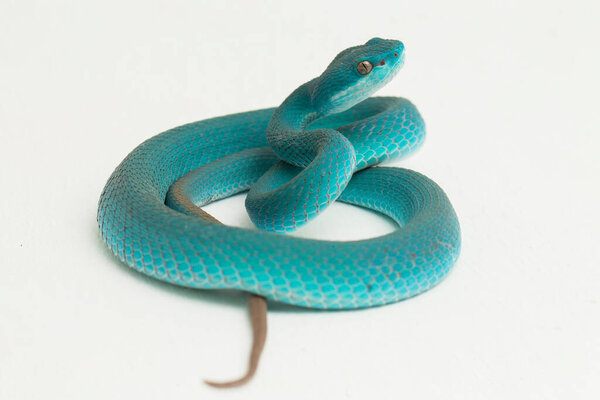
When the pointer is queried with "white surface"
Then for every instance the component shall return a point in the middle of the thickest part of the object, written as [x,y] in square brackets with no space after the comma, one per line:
[510,96]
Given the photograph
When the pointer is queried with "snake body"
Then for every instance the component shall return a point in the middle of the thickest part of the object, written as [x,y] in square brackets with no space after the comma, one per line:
[320,145]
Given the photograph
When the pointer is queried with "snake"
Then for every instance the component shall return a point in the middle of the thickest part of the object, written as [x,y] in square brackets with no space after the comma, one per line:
[324,143]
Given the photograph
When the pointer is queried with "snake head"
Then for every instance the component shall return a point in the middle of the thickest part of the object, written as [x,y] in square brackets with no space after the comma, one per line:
[356,73]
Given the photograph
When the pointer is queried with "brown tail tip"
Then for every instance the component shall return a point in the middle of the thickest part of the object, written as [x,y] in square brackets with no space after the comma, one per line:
[257,306]
[231,384]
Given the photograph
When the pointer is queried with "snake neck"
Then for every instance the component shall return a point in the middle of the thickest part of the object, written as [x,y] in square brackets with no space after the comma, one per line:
[296,111]
[286,131]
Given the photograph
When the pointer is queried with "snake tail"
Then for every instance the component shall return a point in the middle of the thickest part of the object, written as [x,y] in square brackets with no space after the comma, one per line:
[257,308]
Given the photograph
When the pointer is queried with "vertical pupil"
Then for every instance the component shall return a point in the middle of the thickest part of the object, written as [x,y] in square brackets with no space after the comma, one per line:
[364,67]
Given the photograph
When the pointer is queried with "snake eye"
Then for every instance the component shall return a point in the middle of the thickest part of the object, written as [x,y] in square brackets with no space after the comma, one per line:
[364,67]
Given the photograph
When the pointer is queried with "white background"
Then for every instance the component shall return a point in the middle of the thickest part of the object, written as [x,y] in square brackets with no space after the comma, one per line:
[509,91]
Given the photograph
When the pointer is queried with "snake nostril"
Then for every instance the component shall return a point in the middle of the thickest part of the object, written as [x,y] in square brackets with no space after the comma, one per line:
[382,62]
[395,54]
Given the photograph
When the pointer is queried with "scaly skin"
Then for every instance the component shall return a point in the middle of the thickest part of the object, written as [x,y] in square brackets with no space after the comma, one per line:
[326,132]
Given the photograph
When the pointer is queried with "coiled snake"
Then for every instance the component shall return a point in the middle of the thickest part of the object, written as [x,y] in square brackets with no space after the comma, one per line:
[318,146]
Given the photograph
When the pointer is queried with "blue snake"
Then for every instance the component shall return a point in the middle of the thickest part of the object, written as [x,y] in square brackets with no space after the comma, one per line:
[320,145]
